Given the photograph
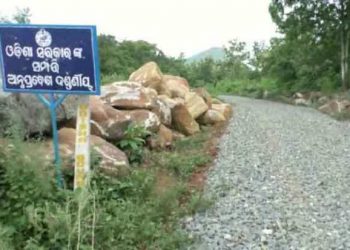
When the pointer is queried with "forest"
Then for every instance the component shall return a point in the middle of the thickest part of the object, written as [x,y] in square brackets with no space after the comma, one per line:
[310,54]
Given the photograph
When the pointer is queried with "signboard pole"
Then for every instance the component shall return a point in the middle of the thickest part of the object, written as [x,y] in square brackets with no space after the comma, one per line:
[52,104]
[53,61]
[82,144]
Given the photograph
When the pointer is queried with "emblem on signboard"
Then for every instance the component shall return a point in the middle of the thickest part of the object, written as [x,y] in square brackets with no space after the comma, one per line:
[43,38]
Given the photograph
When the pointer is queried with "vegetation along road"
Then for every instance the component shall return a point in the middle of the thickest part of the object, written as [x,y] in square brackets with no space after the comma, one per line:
[281,181]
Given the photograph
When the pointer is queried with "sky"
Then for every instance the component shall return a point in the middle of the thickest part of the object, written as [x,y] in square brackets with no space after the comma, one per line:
[188,26]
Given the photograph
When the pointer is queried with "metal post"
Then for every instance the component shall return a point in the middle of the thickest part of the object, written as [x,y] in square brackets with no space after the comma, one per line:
[57,162]
[52,104]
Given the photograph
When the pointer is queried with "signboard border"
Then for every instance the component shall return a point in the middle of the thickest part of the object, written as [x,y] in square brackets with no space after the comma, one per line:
[95,57]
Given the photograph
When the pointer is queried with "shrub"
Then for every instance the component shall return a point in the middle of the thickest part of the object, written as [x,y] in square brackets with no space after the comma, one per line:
[111,213]
[328,85]
[255,88]
[187,155]
[123,213]
[133,143]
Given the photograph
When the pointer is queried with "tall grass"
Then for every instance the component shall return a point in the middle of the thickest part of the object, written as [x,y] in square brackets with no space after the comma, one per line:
[245,87]
[124,213]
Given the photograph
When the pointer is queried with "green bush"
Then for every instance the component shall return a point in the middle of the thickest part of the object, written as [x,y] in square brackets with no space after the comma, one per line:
[256,88]
[187,155]
[133,142]
[328,85]
[5,237]
[111,213]
[123,213]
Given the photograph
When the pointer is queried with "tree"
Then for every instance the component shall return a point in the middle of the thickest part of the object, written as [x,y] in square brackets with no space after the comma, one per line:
[21,16]
[342,10]
[320,32]
[258,58]
[203,72]
[122,58]
[236,60]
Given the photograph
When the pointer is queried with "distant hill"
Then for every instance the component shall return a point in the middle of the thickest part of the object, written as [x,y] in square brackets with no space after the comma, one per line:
[216,53]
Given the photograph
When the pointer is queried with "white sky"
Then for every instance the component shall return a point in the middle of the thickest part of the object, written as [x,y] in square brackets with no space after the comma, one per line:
[176,26]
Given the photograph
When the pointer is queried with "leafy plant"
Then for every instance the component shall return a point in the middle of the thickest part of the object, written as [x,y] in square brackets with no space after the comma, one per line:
[187,154]
[133,143]
[198,203]
[131,212]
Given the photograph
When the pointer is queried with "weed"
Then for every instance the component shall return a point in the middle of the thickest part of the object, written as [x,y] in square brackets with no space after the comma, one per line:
[112,213]
[187,154]
[133,143]
[198,203]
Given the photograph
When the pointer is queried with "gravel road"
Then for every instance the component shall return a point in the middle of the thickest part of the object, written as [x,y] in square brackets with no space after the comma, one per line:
[281,181]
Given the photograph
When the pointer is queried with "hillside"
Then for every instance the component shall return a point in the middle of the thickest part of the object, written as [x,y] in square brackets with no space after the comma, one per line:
[216,53]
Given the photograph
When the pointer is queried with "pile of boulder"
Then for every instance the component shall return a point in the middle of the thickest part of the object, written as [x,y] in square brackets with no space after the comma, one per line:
[163,104]
[334,107]
[331,105]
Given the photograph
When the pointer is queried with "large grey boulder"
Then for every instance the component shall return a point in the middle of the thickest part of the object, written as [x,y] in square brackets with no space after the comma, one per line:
[5,121]
[25,114]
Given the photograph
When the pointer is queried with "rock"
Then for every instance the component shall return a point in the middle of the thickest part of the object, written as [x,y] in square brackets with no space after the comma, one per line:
[106,122]
[149,75]
[183,120]
[323,100]
[30,116]
[216,101]
[211,117]
[128,95]
[177,86]
[225,109]
[113,161]
[298,96]
[163,111]
[195,104]
[331,107]
[334,106]
[177,135]
[227,237]
[344,105]
[151,93]
[111,86]
[188,219]
[164,90]
[165,136]
[202,92]
[267,231]
[171,102]
[179,100]
[144,118]
[301,102]
[314,96]
[163,139]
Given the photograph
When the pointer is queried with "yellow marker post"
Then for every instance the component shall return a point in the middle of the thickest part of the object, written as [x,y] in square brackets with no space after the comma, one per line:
[82,144]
